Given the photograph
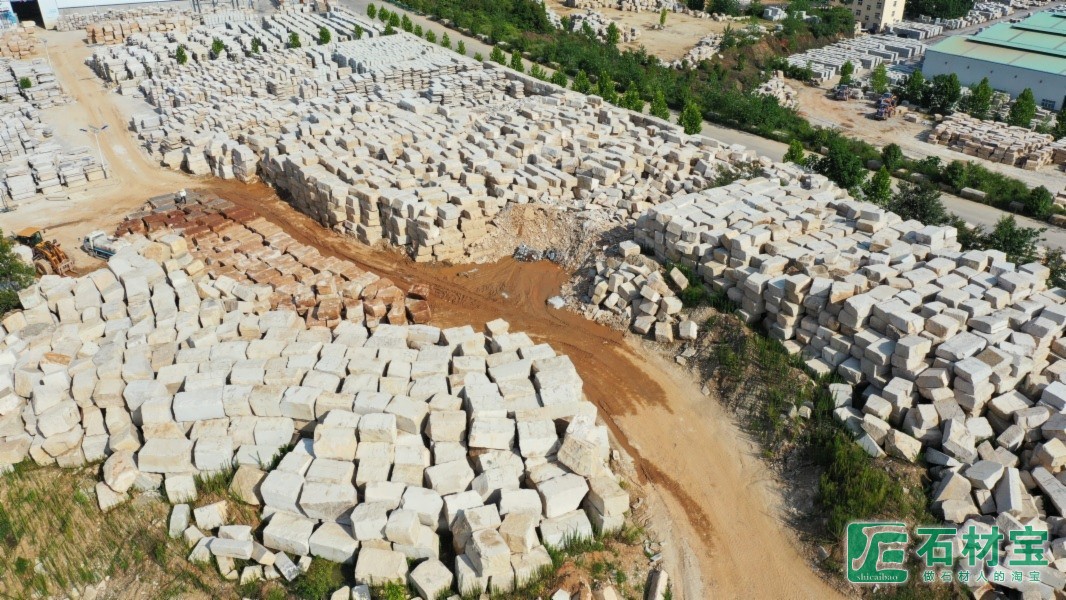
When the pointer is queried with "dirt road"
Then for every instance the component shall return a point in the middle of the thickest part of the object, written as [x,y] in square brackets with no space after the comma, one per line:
[721,501]
[133,177]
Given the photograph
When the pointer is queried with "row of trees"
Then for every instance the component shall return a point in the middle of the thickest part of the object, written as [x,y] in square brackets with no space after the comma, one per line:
[943,94]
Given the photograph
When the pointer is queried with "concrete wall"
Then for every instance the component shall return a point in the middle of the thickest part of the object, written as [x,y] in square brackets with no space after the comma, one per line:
[1007,78]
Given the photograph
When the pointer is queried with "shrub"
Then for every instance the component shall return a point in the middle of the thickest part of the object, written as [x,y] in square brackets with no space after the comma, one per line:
[418,31]
[14,274]
[1040,203]
[892,157]
[559,78]
[358,32]
[446,41]
[324,36]
[795,152]
[321,579]
[406,24]
[371,10]
[294,40]
[581,83]
[181,56]
[479,57]
[217,47]
[516,61]
[690,119]
[461,47]
[431,37]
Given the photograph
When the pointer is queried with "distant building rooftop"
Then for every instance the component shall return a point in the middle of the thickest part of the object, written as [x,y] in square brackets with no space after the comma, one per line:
[1038,44]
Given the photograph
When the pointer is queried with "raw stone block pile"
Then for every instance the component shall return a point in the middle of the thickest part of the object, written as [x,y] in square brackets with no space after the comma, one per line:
[19,41]
[957,356]
[399,434]
[997,142]
[635,289]
[245,251]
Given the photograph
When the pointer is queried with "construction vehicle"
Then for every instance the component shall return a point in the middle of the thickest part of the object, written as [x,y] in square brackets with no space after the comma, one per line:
[846,92]
[48,257]
[100,245]
[886,107]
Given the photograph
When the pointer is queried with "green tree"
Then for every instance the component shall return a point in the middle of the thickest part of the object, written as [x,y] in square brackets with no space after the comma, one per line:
[389,30]
[632,100]
[516,61]
[538,72]
[217,48]
[913,88]
[1023,110]
[294,40]
[559,78]
[1040,203]
[878,189]
[662,18]
[418,31]
[479,57]
[920,202]
[1059,130]
[605,88]
[892,157]
[445,40]
[841,164]
[1021,244]
[394,20]
[383,15]
[371,10]
[879,79]
[431,36]
[795,152]
[846,71]
[658,105]
[613,35]
[497,55]
[14,275]
[406,24]
[581,83]
[181,56]
[324,36]
[979,102]
[358,32]
[944,93]
[725,7]
[461,47]
[257,45]
[691,119]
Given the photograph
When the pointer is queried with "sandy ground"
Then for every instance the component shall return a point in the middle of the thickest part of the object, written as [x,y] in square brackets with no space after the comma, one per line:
[681,32]
[716,504]
[133,179]
[855,118]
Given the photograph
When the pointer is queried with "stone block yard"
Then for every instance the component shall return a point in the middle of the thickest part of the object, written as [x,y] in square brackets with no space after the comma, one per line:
[354,372]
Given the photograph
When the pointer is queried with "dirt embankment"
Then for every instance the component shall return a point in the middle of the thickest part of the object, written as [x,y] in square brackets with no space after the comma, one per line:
[717,502]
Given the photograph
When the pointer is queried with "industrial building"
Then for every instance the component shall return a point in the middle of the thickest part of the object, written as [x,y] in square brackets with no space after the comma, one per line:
[875,15]
[1014,56]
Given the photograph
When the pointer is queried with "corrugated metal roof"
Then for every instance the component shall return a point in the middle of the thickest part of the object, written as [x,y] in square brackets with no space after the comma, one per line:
[1037,43]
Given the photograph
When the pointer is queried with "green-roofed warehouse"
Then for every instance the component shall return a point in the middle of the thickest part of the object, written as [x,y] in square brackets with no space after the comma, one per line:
[1014,56]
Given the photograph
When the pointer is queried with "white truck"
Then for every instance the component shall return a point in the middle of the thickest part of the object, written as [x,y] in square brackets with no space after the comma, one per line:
[101,245]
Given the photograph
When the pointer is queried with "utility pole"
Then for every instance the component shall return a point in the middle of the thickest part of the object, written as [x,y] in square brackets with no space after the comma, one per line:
[96,131]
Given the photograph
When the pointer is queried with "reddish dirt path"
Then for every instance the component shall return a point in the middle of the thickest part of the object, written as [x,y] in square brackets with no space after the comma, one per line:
[714,503]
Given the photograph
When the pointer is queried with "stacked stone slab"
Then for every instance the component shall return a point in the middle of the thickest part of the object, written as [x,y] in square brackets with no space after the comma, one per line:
[996,142]
[709,45]
[19,41]
[865,52]
[398,433]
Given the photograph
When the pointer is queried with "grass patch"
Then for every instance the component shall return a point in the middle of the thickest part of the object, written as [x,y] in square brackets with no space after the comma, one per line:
[321,579]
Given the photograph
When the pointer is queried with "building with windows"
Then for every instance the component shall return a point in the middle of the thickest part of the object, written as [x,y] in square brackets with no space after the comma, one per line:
[875,15]
[1014,56]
